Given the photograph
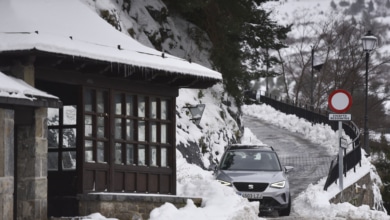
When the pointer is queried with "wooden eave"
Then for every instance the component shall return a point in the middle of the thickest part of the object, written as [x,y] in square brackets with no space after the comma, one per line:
[88,66]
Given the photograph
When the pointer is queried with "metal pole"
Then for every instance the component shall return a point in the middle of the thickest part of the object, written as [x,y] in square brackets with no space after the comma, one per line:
[267,68]
[312,80]
[341,162]
[366,134]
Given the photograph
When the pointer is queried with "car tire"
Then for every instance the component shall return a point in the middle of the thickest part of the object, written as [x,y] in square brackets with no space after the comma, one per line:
[286,211]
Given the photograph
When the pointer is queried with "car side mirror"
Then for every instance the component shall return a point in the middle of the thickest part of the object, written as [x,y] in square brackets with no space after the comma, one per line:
[287,169]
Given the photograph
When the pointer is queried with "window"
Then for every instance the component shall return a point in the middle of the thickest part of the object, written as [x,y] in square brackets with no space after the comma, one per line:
[96,113]
[127,141]
[137,130]
[62,138]
[141,130]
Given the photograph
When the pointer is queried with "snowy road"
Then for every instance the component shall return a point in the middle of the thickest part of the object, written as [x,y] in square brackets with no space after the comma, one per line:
[310,161]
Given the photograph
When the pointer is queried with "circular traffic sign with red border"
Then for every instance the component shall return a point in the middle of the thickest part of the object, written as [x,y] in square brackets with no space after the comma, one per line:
[340,101]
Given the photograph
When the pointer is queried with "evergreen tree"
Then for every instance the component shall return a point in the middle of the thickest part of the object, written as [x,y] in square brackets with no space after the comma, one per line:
[371,6]
[353,21]
[343,3]
[356,7]
[333,5]
[240,31]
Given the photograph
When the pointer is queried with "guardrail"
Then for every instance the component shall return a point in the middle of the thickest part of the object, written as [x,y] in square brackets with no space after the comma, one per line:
[351,159]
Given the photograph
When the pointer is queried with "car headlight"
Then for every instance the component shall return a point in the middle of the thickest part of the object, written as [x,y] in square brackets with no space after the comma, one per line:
[225,183]
[279,184]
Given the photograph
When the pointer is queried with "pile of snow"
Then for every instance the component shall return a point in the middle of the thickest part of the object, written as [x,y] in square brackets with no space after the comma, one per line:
[220,202]
[320,133]
[97,216]
[315,202]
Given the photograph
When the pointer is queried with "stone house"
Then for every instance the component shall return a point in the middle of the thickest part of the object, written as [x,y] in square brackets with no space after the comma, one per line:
[98,114]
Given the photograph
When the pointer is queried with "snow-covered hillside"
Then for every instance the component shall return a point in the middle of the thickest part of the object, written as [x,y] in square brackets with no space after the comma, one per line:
[310,18]
[150,23]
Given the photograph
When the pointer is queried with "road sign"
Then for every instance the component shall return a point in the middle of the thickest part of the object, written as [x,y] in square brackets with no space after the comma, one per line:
[340,101]
[343,143]
[340,117]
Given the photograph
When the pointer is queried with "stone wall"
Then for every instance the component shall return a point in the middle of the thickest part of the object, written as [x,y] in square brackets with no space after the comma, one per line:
[32,168]
[359,193]
[6,163]
[135,207]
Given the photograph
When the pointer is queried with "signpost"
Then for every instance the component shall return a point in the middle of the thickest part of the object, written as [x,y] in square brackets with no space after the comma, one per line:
[340,117]
[340,101]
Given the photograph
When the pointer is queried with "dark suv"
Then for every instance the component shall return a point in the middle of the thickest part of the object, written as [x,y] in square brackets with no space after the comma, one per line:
[255,172]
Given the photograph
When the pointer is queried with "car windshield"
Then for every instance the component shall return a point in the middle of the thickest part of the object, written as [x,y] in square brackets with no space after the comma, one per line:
[250,160]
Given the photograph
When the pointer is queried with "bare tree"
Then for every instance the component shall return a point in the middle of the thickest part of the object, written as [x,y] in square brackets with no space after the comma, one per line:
[338,43]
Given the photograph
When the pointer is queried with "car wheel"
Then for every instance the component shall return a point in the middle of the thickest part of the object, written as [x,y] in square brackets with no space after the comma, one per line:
[286,211]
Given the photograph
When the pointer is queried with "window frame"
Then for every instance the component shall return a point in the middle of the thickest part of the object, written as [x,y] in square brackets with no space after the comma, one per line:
[60,149]
[143,173]
[147,144]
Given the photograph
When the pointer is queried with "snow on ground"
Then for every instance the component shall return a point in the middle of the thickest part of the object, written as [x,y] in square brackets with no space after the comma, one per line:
[218,202]
[286,11]
[221,203]
[315,202]
[302,14]
[320,133]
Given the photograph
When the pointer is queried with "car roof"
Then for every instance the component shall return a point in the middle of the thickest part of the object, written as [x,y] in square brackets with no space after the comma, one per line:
[262,147]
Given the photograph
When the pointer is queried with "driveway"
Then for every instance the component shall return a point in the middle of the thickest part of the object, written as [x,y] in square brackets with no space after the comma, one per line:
[310,161]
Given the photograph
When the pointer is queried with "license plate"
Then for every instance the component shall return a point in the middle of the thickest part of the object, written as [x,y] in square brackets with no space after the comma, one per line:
[252,195]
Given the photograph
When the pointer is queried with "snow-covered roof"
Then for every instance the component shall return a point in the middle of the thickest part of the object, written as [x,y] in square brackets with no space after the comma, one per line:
[13,90]
[71,28]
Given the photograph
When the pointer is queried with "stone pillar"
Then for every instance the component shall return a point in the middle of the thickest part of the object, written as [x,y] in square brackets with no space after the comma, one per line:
[24,69]
[6,163]
[32,168]
[31,153]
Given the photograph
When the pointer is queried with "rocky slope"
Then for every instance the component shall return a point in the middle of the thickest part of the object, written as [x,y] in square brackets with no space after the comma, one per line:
[151,23]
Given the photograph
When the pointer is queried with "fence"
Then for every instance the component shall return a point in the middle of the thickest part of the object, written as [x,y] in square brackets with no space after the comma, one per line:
[351,159]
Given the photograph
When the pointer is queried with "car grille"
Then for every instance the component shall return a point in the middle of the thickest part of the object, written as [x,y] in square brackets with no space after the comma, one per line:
[267,203]
[250,187]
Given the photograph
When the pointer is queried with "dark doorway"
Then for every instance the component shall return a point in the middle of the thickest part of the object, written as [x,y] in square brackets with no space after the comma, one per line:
[62,147]
[62,175]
